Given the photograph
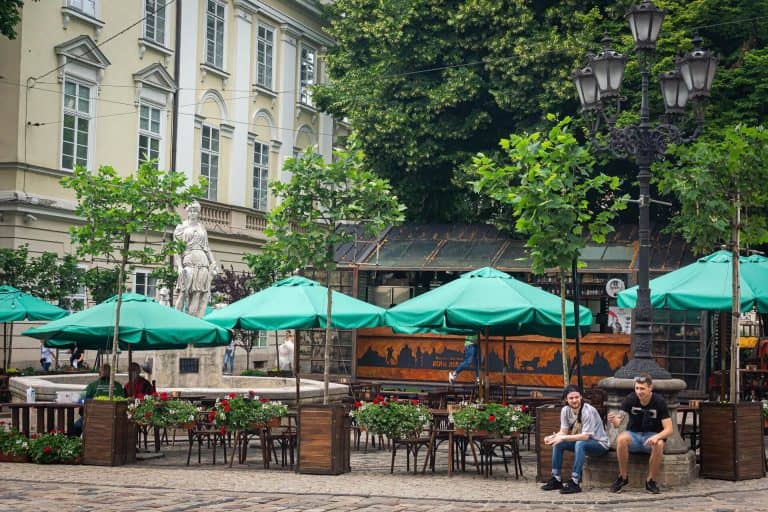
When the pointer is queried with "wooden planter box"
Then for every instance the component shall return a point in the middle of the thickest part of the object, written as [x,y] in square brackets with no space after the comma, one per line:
[548,421]
[732,445]
[109,439]
[323,439]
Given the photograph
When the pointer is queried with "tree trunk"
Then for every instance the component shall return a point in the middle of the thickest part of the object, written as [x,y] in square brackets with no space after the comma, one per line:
[563,339]
[327,355]
[736,304]
[116,337]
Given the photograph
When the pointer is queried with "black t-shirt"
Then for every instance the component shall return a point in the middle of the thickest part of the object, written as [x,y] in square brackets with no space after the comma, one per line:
[645,418]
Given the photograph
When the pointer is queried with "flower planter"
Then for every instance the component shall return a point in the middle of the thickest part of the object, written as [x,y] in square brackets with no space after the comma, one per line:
[473,433]
[732,446]
[7,457]
[109,437]
[324,440]
[548,421]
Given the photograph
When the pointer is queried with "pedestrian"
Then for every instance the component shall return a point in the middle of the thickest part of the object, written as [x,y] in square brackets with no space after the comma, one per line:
[648,428]
[581,432]
[46,357]
[471,357]
[229,358]
[285,353]
[76,357]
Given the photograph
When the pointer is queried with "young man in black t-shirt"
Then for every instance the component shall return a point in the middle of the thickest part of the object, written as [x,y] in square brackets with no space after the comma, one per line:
[648,427]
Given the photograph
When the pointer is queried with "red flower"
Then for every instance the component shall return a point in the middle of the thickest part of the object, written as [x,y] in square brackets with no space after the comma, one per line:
[264,400]
[227,408]
[523,408]
[139,396]
[155,394]
[232,395]
[33,436]
[212,415]
[147,414]
[358,404]
[504,403]
[378,399]
[414,402]
[47,449]
[164,396]
[225,402]
[2,422]
[252,393]
[491,418]
[223,430]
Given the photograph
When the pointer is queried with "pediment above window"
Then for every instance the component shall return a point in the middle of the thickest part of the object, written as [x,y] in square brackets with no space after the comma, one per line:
[155,75]
[82,50]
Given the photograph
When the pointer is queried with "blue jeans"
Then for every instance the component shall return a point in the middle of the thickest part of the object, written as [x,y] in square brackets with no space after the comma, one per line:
[229,361]
[638,441]
[470,359]
[580,450]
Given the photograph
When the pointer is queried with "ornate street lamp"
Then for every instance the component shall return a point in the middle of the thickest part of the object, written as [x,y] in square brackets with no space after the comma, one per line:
[691,82]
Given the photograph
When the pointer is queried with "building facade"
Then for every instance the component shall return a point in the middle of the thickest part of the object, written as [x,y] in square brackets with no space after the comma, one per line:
[214,88]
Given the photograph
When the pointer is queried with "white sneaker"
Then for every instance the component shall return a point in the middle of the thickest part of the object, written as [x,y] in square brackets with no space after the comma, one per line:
[451,377]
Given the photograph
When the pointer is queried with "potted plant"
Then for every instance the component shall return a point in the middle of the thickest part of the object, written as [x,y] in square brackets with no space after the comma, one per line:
[497,418]
[243,412]
[396,419]
[55,447]
[158,410]
[14,446]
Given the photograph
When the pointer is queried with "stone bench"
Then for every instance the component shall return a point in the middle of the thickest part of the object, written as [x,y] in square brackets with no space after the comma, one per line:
[676,470]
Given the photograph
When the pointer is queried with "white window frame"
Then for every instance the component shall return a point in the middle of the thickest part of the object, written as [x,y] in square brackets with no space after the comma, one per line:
[265,56]
[149,284]
[220,33]
[260,179]
[261,340]
[150,134]
[78,116]
[87,7]
[306,81]
[209,155]
[156,21]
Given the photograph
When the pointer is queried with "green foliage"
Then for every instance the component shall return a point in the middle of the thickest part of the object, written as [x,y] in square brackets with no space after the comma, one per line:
[13,442]
[393,418]
[10,16]
[230,285]
[238,412]
[159,410]
[44,276]
[253,373]
[764,406]
[556,199]
[55,447]
[266,268]
[711,179]
[499,418]
[102,282]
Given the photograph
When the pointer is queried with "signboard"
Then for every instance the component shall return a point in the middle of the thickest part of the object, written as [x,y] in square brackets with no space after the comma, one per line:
[614,286]
[620,320]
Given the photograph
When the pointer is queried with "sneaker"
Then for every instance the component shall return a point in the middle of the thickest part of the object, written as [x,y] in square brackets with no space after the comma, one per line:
[451,377]
[552,485]
[651,487]
[619,483]
[570,487]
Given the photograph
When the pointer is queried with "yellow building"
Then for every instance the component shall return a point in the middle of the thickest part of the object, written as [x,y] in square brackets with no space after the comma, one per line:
[219,88]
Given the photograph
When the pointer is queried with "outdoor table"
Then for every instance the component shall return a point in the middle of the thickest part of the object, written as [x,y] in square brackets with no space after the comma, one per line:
[50,416]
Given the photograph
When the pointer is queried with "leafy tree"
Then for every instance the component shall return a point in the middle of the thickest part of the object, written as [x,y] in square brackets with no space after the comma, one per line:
[319,198]
[426,84]
[116,208]
[721,183]
[267,267]
[10,16]
[102,283]
[557,201]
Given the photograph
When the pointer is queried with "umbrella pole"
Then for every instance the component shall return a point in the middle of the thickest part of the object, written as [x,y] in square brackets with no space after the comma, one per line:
[296,365]
[277,353]
[9,350]
[504,369]
[130,375]
[487,393]
[5,343]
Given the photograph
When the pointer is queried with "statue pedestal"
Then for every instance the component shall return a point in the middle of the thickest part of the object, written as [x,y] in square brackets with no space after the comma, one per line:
[170,367]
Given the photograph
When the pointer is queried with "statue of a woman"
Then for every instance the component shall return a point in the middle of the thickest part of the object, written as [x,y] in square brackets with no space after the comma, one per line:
[196,266]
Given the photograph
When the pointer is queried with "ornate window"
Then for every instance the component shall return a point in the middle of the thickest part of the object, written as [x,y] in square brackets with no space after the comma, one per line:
[76,130]
[209,160]
[260,175]
[214,34]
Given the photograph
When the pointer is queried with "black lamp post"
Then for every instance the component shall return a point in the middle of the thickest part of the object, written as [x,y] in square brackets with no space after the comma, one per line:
[598,86]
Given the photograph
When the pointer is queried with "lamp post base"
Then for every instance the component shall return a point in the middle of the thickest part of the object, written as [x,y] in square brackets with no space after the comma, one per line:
[638,366]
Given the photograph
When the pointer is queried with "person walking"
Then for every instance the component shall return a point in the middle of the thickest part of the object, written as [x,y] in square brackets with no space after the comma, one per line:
[229,358]
[581,432]
[46,357]
[471,357]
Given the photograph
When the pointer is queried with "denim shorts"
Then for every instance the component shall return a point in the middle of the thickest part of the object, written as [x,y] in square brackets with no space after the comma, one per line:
[638,441]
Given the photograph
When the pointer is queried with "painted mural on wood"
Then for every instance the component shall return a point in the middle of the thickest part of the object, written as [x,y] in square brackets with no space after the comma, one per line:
[530,360]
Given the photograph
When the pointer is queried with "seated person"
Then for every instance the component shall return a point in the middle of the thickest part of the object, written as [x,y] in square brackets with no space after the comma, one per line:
[582,432]
[141,386]
[99,387]
[76,357]
[648,428]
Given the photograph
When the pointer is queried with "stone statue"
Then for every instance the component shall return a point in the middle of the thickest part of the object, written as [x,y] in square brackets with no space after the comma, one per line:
[163,296]
[196,266]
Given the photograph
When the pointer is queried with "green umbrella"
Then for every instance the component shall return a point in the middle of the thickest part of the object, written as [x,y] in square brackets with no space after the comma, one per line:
[706,285]
[296,303]
[15,306]
[145,324]
[488,299]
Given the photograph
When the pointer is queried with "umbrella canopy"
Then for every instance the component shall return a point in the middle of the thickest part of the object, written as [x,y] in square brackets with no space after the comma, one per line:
[296,303]
[706,285]
[489,298]
[145,324]
[16,305]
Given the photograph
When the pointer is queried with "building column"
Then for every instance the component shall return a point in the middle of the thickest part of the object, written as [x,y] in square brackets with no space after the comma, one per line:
[187,82]
[325,126]
[286,119]
[238,186]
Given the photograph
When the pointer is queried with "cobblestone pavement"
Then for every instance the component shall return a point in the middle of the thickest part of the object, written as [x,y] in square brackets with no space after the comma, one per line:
[167,484]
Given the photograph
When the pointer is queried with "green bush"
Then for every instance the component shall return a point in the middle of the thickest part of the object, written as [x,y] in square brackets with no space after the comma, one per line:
[394,418]
[253,373]
[13,442]
[55,447]
[493,417]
